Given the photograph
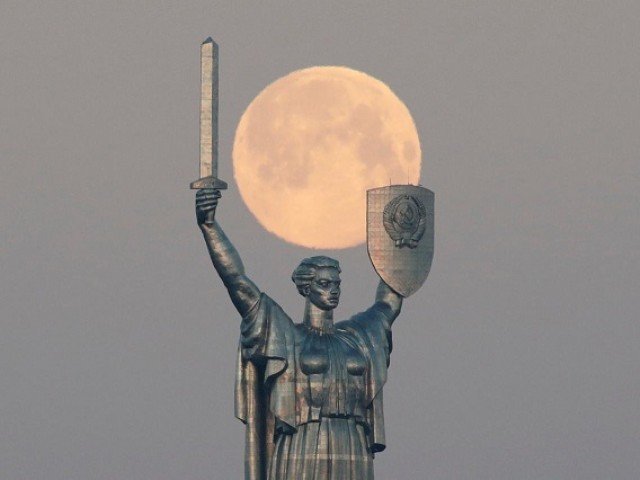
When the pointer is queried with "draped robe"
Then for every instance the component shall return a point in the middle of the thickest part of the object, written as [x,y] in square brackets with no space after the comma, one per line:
[308,425]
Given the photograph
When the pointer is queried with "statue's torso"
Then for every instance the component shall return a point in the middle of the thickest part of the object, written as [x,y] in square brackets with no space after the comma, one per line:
[332,369]
[322,394]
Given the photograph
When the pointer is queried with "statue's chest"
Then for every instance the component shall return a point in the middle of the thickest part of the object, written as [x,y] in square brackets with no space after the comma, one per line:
[333,369]
[333,353]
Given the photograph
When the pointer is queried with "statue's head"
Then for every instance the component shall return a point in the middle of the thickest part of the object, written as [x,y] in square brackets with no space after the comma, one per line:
[318,280]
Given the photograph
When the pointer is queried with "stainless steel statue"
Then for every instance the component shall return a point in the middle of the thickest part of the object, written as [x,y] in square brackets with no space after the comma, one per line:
[310,391]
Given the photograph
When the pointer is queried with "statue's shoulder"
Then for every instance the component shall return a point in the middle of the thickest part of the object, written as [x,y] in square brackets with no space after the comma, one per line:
[373,317]
[270,310]
[355,322]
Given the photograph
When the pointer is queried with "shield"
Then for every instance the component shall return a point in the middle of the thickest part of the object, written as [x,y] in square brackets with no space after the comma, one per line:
[400,235]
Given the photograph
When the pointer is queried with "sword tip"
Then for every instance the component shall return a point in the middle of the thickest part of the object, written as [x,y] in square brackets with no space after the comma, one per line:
[208,40]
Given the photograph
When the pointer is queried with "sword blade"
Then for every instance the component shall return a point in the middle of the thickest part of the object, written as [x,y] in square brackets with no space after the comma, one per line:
[209,108]
[209,118]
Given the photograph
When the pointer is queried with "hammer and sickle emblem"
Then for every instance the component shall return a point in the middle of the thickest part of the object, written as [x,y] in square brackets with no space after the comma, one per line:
[404,219]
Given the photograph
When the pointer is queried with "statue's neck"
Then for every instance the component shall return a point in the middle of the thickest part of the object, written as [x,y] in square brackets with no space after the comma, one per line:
[318,319]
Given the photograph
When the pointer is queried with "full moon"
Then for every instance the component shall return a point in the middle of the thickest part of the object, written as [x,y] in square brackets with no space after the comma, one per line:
[309,146]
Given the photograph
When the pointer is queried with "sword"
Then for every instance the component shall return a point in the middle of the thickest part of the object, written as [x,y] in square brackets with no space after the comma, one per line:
[209,119]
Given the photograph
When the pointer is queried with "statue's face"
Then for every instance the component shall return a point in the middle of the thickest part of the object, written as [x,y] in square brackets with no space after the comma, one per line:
[324,290]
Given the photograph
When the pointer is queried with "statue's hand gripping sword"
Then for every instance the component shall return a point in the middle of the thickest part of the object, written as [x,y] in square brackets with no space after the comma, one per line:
[209,120]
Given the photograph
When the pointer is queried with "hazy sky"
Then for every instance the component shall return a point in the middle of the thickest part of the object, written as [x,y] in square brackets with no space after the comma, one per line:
[518,360]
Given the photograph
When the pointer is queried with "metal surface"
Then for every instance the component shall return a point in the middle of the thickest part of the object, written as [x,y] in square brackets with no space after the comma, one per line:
[400,235]
[209,118]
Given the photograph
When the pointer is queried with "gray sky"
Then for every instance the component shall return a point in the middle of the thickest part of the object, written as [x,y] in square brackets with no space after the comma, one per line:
[518,360]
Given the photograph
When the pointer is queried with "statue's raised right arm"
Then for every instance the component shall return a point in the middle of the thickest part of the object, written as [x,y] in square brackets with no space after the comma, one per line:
[226,260]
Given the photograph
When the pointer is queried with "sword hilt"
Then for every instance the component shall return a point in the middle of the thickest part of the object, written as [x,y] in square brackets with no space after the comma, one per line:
[209,182]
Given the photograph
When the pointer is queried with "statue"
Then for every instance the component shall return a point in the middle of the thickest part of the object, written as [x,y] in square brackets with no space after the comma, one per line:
[310,391]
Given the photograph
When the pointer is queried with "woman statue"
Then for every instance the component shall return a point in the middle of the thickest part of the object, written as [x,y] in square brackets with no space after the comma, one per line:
[310,393]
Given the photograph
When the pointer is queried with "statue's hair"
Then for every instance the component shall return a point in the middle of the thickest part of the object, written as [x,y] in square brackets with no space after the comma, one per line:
[305,272]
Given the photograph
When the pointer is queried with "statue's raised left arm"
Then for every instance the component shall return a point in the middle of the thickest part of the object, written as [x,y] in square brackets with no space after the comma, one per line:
[388,300]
